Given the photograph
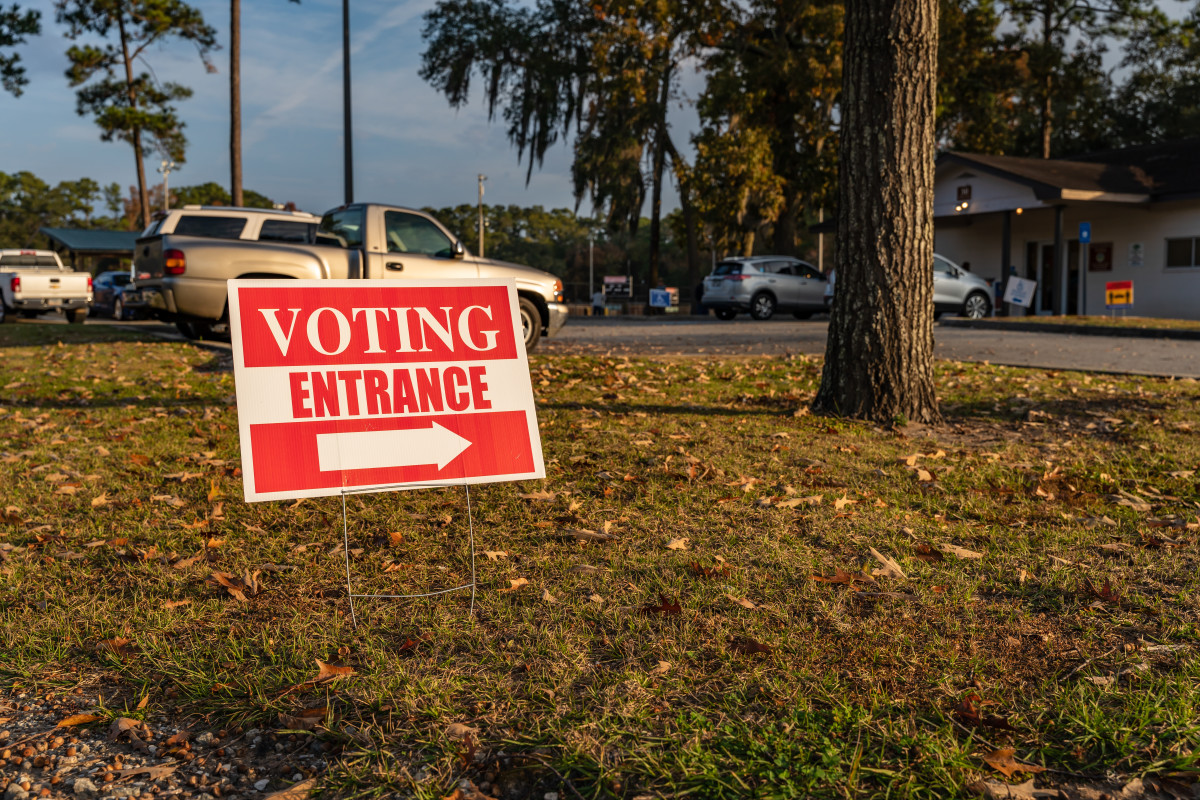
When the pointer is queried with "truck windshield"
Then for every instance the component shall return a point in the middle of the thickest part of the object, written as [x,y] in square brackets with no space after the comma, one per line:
[342,228]
[29,261]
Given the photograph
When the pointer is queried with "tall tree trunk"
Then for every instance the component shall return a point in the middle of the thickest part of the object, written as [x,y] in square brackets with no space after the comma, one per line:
[785,225]
[235,102]
[1047,83]
[879,354]
[690,224]
[143,195]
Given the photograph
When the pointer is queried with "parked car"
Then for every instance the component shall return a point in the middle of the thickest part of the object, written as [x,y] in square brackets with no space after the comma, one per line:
[763,285]
[34,281]
[188,271]
[114,295]
[955,290]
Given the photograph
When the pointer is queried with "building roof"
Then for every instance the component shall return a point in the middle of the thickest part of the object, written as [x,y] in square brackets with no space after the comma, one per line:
[1155,172]
[80,240]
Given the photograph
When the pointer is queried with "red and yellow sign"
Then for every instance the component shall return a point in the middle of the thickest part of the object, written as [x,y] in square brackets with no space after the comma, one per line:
[1118,294]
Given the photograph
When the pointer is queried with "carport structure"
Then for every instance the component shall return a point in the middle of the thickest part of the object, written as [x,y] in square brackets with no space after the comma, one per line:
[93,250]
[1001,215]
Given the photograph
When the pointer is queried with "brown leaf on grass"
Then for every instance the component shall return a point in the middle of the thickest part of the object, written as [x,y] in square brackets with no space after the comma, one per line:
[170,604]
[77,719]
[213,542]
[661,668]
[743,602]
[68,488]
[1002,761]
[664,607]
[841,576]
[585,535]
[923,475]
[458,730]
[467,790]
[888,567]
[747,646]
[842,502]
[329,672]
[12,515]
[121,648]
[214,489]
[145,701]
[122,725]
[184,563]
[140,460]
[467,754]
[793,502]
[677,544]
[152,773]
[968,712]
[515,584]
[548,598]
[306,719]
[1150,541]
[396,538]
[960,552]
[1105,593]
[297,791]
[538,495]
[722,570]
[926,552]
[240,588]
[495,555]
[100,500]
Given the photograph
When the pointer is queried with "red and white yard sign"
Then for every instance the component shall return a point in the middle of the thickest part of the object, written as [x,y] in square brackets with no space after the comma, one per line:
[362,385]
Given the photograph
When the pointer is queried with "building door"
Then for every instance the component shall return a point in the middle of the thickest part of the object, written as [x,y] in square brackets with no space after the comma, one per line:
[1073,276]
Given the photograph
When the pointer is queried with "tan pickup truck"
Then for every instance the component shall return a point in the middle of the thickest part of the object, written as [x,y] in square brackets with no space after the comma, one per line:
[33,281]
[183,275]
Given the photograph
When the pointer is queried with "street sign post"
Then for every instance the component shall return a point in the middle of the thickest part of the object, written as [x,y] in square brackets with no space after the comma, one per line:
[358,386]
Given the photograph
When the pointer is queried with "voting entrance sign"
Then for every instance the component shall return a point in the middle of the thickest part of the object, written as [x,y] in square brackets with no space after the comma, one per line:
[365,385]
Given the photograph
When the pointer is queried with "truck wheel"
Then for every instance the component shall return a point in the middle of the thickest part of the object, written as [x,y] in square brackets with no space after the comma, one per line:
[76,316]
[118,309]
[531,322]
[977,306]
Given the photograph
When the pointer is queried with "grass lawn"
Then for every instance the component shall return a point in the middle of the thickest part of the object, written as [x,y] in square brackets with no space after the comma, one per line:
[1105,321]
[784,605]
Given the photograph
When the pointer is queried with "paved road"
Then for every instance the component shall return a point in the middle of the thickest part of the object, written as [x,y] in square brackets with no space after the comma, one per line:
[699,336]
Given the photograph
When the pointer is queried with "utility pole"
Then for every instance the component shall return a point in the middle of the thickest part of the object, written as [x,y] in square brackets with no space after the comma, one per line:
[821,242]
[591,264]
[165,168]
[482,178]
[346,128]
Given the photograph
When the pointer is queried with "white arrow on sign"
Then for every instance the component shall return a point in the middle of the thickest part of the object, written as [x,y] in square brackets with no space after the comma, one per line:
[414,447]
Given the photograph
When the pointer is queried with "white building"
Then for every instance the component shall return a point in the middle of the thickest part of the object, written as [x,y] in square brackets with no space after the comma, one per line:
[1142,204]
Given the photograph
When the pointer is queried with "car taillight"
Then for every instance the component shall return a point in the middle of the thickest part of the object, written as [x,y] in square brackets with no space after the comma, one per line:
[174,263]
[558,292]
[735,277]
[16,284]
[89,283]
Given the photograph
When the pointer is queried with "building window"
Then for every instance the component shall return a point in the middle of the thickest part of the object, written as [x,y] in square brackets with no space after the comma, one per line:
[1183,252]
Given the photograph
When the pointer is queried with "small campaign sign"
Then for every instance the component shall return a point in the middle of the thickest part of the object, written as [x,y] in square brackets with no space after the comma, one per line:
[1118,294]
[1019,291]
[370,385]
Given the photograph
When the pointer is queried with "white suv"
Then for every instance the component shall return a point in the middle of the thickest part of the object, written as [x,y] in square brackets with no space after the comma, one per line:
[763,285]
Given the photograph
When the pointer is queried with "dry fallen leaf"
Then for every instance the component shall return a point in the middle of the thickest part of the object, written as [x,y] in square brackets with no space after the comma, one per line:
[842,502]
[664,607]
[329,672]
[677,544]
[888,568]
[152,773]
[240,588]
[169,604]
[547,597]
[121,648]
[955,550]
[514,584]
[586,535]
[994,790]
[662,667]
[457,730]
[747,646]
[77,719]
[495,555]
[741,601]
[99,500]
[792,502]
[1002,761]
[538,496]
[306,719]
[297,791]
[467,790]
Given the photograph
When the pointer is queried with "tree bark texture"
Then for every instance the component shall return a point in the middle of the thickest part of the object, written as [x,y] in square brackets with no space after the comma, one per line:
[136,138]
[879,354]
[235,102]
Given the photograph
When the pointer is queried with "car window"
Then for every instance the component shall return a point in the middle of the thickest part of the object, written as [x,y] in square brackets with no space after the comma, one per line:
[728,268]
[211,227]
[286,230]
[942,265]
[780,267]
[153,229]
[810,272]
[411,233]
[28,260]
[121,280]
[342,228]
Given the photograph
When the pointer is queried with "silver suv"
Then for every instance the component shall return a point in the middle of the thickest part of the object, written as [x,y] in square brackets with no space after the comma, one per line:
[763,285]
[955,290]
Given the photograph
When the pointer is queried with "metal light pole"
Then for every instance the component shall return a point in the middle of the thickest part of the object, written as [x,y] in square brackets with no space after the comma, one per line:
[591,264]
[482,178]
[165,168]
[346,128]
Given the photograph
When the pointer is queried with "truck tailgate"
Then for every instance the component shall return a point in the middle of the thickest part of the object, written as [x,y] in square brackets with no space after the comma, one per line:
[53,286]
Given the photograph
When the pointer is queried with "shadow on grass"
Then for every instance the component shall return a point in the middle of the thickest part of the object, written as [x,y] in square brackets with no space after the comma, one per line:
[34,335]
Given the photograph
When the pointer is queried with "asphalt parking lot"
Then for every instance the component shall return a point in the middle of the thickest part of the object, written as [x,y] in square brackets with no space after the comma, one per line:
[701,336]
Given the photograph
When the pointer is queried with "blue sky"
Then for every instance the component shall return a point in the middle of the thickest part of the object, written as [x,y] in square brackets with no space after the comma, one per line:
[410,147]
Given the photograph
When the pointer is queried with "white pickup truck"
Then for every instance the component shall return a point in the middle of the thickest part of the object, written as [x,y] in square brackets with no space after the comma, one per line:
[183,263]
[33,281]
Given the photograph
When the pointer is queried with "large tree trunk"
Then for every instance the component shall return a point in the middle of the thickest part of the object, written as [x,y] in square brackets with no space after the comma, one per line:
[879,354]
[235,102]
[690,224]
[1047,83]
[143,195]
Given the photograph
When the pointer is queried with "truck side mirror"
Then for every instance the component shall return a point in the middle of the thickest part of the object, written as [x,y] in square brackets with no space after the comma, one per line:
[459,250]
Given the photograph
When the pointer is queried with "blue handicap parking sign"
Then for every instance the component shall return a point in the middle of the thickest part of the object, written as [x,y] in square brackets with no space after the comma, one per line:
[1085,232]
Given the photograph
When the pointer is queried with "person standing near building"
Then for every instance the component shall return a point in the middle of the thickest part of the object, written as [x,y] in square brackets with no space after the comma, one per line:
[598,303]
